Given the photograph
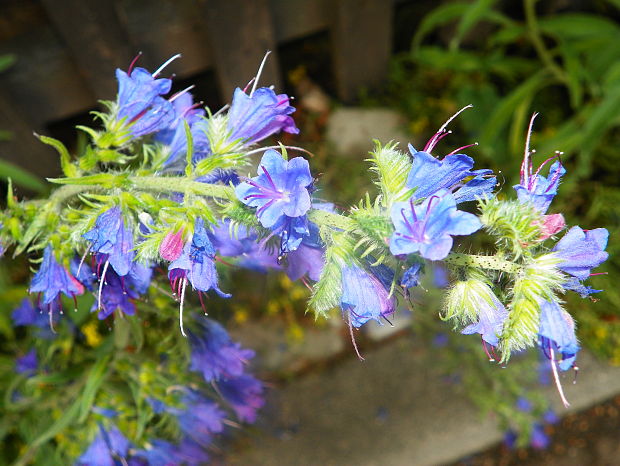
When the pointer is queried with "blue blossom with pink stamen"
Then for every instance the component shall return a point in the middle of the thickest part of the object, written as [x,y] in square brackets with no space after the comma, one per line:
[427,228]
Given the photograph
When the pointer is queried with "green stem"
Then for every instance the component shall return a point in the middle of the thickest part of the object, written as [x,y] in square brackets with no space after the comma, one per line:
[539,44]
[482,262]
[177,184]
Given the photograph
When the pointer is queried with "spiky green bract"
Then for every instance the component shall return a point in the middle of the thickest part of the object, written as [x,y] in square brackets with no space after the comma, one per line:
[463,299]
[372,228]
[514,225]
[540,280]
[392,167]
[225,154]
[327,292]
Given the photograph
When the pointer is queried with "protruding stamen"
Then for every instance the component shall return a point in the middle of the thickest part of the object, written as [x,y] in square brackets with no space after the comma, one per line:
[77,274]
[166,63]
[183,286]
[260,70]
[74,302]
[433,141]
[101,282]
[525,175]
[133,63]
[556,377]
[51,316]
[463,147]
[180,93]
[353,338]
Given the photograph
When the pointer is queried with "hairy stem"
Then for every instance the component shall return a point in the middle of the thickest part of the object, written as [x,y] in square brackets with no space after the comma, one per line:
[482,262]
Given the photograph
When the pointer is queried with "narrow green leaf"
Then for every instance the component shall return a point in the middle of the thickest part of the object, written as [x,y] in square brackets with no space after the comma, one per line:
[189,165]
[95,378]
[21,177]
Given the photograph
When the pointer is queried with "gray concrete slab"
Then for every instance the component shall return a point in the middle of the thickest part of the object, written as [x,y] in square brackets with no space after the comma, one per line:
[391,409]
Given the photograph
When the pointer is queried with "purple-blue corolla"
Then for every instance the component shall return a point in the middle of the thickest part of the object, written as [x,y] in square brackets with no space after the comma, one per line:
[108,446]
[428,175]
[214,354]
[491,317]
[254,117]
[52,279]
[244,394]
[366,295]
[280,191]
[427,228]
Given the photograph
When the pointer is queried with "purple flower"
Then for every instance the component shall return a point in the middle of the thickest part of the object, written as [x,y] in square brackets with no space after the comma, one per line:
[305,261]
[28,363]
[428,175]
[524,405]
[581,251]
[107,447]
[197,262]
[537,190]
[175,138]
[550,417]
[244,394]
[255,117]
[539,439]
[139,101]
[214,354]
[25,314]
[244,245]
[119,292]
[112,241]
[426,228]
[280,191]
[162,453]
[575,285]
[556,335]
[492,314]
[365,296]
[200,418]
[52,279]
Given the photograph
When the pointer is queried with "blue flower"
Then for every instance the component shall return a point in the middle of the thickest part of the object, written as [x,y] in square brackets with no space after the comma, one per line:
[162,453]
[244,394]
[52,279]
[175,138]
[214,354]
[524,405]
[305,261]
[575,285]
[139,102]
[25,314]
[280,191]
[581,251]
[106,449]
[556,335]
[428,175]
[492,314]
[112,241]
[255,117]
[365,295]
[28,363]
[426,228]
[536,189]
[411,277]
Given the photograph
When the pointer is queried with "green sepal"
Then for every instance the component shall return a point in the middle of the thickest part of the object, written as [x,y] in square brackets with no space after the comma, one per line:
[392,168]
[103,180]
[68,168]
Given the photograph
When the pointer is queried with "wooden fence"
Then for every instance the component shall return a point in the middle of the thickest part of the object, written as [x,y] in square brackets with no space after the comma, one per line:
[67,50]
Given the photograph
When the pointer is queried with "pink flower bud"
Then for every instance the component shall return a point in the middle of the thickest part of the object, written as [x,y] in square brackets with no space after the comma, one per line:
[172,245]
[551,225]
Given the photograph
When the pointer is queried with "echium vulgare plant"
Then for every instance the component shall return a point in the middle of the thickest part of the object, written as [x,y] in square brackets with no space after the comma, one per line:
[163,189]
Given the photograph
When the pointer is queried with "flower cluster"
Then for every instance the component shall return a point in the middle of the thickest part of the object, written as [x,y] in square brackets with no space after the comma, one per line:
[160,190]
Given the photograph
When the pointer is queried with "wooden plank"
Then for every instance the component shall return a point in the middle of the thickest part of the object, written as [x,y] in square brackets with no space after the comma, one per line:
[240,32]
[44,80]
[23,148]
[362,40]
[164,28]
[96,40]
[299,18]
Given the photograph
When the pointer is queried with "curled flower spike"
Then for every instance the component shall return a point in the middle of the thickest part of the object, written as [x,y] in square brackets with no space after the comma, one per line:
[172,245]
[427,228]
